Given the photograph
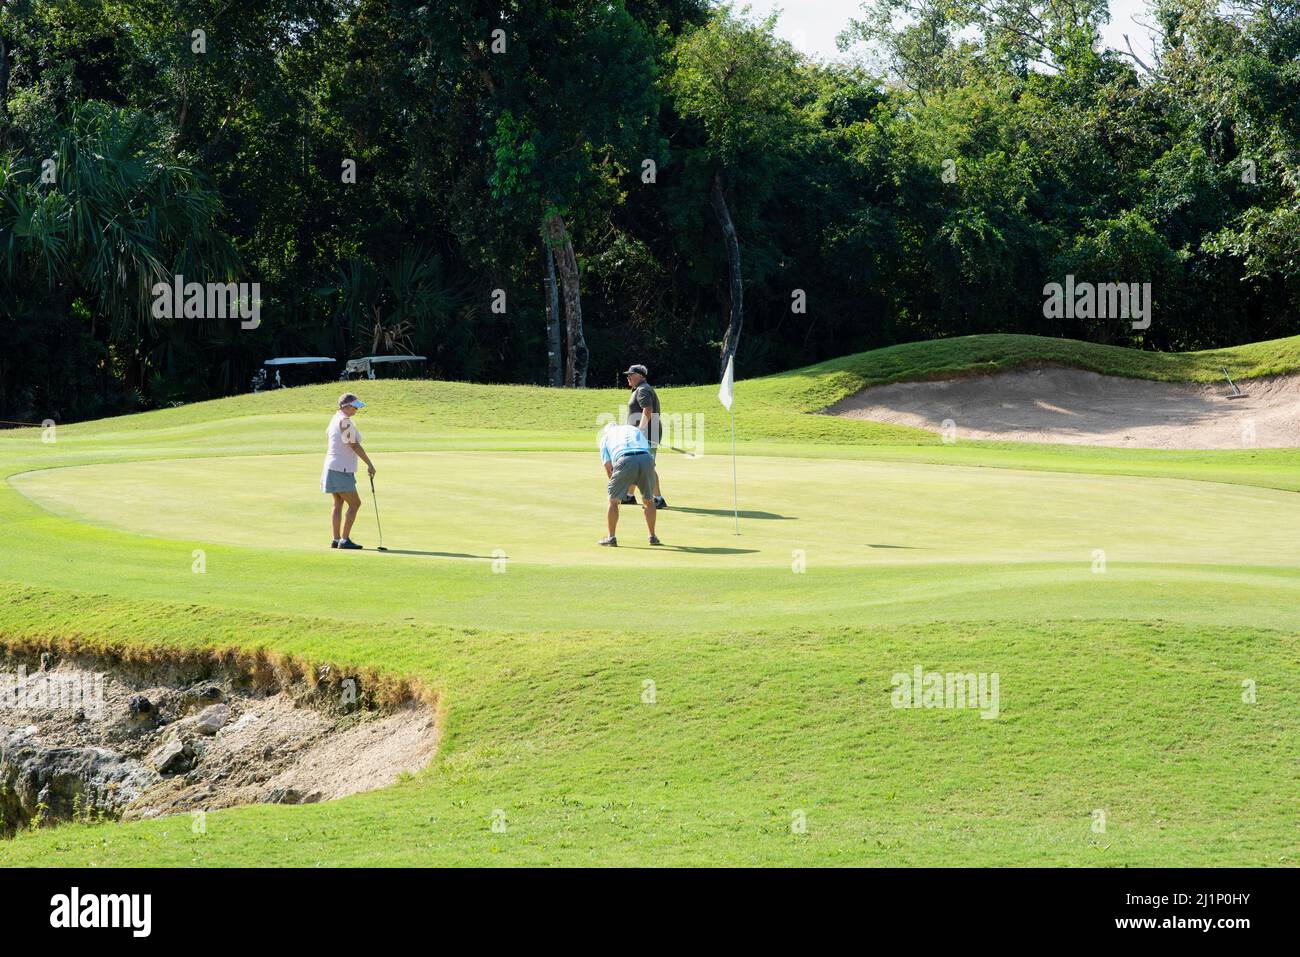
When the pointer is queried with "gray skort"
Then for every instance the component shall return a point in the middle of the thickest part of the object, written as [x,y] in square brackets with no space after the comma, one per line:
[336,481]
[635,469]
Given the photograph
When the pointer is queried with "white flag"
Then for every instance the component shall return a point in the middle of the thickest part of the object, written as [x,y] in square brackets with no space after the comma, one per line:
[725,392]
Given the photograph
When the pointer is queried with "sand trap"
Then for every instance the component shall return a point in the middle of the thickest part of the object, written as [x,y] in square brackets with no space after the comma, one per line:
[1059,405]
[84,741]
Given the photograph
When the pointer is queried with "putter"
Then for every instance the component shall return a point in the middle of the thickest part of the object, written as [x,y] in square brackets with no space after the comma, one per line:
[1235,393]
[374,498]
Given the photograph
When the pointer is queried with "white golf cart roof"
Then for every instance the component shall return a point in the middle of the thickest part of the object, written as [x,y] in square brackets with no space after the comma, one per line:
[298,360]
[367,365]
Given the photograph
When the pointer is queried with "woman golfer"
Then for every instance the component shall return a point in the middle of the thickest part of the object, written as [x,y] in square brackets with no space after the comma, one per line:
[339,477]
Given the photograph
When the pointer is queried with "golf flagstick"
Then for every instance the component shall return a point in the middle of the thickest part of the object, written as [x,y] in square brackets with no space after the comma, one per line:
[727,396]
[375,499]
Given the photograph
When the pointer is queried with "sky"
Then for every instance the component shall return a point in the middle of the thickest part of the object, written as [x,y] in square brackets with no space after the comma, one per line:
[812,25]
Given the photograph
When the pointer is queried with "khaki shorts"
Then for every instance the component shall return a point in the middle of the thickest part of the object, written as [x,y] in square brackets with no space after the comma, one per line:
[635,469]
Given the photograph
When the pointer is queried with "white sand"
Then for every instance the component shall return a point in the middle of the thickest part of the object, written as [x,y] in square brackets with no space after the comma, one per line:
[1059,405]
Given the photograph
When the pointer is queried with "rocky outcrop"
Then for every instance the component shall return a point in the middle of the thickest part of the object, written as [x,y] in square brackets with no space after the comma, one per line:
[213,719]
[174,756]
[87,740]
[63,783]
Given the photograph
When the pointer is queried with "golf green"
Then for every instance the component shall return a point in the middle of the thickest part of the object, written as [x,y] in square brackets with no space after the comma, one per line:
[549,509]
[686,704]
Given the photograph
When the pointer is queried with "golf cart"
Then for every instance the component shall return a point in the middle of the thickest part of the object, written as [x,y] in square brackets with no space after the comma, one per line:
[276,366]
[366,367]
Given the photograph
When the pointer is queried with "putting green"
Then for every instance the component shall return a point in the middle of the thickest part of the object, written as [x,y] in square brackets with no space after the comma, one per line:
[548,508]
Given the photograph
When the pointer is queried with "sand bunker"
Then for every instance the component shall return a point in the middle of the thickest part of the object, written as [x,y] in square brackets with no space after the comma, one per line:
[1059,405]
[84,742]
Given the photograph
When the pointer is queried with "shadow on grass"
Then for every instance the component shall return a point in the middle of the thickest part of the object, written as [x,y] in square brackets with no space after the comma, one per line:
[698,550]
[728,513]
[409,551]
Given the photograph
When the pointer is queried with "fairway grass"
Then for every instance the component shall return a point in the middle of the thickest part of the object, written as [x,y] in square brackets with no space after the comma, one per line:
[693,704]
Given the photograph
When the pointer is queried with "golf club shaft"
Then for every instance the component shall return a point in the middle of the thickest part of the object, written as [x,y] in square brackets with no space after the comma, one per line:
[375,499]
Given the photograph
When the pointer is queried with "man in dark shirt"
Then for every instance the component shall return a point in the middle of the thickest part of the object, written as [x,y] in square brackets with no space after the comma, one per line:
[643,412]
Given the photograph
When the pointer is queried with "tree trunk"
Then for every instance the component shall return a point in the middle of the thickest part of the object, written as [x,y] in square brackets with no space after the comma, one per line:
[185,110]
[554,363]
[4,89]
[575,373]
[719,203]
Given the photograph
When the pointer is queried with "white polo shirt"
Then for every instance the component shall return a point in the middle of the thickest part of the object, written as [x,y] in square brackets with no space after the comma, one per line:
[342,436]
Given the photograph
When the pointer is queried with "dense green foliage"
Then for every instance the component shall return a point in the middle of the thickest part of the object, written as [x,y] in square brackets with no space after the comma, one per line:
[999,149]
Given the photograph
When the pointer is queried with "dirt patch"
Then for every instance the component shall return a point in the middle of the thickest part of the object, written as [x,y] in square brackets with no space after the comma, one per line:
[1070,406]
[83,740]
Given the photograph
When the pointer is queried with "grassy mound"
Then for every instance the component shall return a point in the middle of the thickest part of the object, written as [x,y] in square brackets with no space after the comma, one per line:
[826,383]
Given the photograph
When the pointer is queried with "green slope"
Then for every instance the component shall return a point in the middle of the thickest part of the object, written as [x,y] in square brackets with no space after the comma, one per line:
[778,405]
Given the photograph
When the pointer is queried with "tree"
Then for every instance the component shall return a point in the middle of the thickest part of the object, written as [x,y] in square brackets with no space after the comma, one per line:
[741,85]
[90,230]
[570,102]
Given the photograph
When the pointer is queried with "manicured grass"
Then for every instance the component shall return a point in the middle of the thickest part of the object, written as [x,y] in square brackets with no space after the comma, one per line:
[839,513]
[1141,721]
[1121,684]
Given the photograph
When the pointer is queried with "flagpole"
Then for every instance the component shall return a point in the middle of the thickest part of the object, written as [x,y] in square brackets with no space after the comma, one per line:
[727,396]
[735,500]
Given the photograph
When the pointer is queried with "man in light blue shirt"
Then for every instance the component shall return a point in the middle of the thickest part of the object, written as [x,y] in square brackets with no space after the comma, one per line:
[625,452]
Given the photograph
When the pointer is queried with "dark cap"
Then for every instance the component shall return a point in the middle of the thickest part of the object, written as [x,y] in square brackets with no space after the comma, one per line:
[639,370]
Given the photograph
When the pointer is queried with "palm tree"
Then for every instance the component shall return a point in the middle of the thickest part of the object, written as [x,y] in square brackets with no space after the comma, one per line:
[121,215]
[393,306]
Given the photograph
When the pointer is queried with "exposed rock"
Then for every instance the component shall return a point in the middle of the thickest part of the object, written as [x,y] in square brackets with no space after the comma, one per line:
[243,721]
[201,698]
[175,756]
[159,747]
[62,783]
[292,796]
[212,719]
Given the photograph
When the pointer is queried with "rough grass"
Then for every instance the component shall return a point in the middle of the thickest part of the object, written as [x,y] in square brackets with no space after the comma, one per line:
[74,626]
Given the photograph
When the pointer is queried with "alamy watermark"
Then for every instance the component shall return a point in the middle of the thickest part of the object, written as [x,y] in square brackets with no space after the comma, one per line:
[1107,300]
[74,910]
[954,689]
[43,691]
[179,299]
[681,433]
